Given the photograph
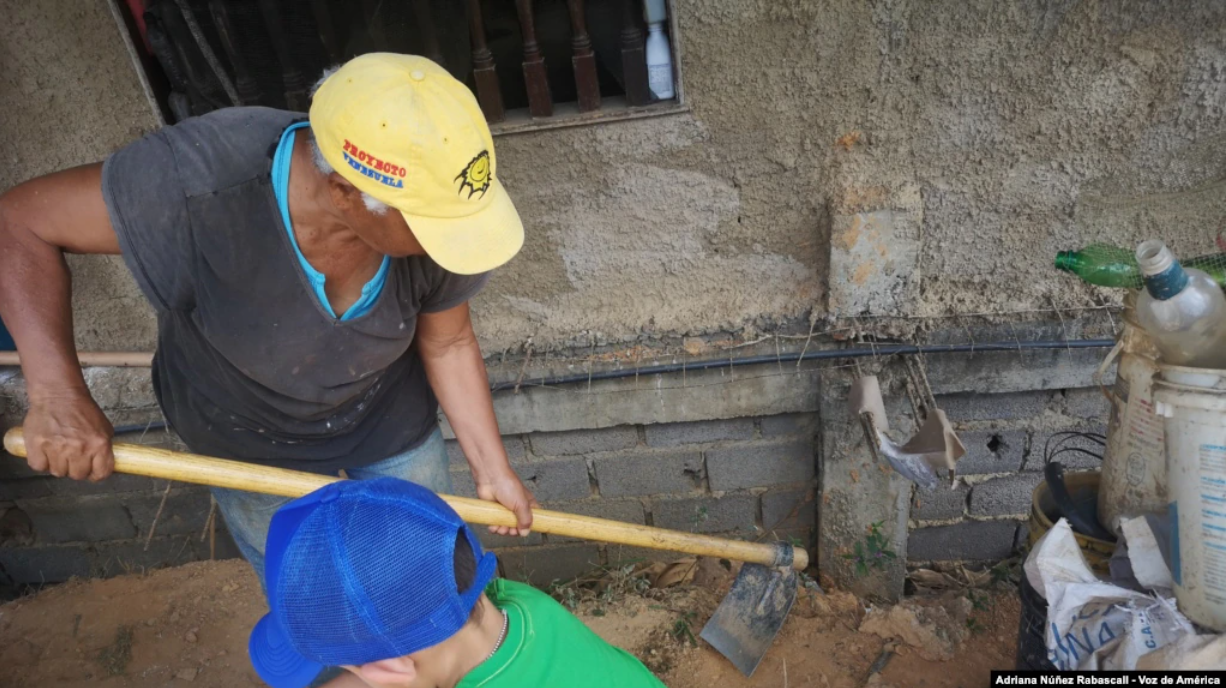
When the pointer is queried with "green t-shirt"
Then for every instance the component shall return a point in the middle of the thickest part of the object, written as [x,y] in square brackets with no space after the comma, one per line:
[547,647]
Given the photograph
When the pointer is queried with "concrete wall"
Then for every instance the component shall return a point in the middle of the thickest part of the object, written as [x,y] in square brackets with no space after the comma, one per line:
[896,156]
[949,148]
[69,95]
[734,478]
[984,518]
[739,477]
[52,530]
[741,454]
[842,159]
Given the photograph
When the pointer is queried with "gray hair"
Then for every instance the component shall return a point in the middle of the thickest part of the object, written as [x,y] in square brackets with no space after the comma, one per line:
[372,204]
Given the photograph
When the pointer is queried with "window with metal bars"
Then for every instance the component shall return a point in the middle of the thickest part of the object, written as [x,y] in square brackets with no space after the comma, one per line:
[531,63]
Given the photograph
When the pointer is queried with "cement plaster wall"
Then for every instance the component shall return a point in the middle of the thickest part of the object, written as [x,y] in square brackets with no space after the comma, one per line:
[914,158]
[68,96]
[852,157]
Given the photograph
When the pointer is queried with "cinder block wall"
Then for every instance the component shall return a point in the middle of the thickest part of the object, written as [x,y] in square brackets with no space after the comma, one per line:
[984,518]
[763,455]
[740,478]
[54,529]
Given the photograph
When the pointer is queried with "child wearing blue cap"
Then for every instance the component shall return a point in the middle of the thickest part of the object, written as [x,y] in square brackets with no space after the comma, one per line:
[383,578]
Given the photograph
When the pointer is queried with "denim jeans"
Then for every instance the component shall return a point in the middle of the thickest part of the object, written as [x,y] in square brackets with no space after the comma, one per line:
[248,514]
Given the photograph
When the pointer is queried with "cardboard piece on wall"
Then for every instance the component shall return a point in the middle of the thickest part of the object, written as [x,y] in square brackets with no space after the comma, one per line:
[934,450]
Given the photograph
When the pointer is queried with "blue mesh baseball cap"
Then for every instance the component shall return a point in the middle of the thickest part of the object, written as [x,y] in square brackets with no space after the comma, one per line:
[360,571]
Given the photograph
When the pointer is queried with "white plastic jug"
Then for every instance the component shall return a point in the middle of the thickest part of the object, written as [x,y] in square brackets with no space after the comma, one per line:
[1134,460]
[1196,471]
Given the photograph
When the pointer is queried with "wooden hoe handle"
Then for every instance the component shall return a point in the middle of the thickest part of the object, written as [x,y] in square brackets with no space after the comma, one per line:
[153,462]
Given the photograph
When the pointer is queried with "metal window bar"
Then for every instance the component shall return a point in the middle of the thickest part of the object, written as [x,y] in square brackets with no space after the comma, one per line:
[268,52]
[584,60]
[374,27]
[634,55]
[536,82]
[248,90]
[426,29]
[489,92]
[295,83]
[327,29]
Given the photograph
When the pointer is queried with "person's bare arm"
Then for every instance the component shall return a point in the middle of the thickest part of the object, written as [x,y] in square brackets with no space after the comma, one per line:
[66,433]
[452,358]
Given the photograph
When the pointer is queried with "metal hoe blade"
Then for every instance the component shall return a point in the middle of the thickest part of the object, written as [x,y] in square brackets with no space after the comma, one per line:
[747,621]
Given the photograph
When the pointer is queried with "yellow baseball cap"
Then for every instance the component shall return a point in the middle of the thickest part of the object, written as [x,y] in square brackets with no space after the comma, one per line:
[402,129]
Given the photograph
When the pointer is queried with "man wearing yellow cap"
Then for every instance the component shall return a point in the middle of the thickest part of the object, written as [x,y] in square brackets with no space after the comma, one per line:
[311,281]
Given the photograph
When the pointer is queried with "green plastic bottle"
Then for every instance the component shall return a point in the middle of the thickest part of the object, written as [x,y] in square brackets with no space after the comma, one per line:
[1103,265]
[1112,266]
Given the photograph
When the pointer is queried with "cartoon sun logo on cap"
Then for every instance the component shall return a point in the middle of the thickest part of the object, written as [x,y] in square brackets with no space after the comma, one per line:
[476,175]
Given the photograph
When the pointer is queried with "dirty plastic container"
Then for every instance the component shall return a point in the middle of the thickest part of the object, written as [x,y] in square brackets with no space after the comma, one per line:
[1044,513]
[1134,460]
[1196,471]
[1183,310]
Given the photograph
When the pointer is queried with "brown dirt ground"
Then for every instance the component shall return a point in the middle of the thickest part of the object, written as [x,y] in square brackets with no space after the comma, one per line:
[190,624]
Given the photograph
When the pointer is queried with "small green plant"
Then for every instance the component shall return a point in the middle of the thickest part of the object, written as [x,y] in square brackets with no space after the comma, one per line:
[1007,571]
[682,631]
[974,626]
[624,580]
[980,602]
[565,593]
[700,515]
[810,590]
[872,553]
[114,658]
[809,583]
[604,585]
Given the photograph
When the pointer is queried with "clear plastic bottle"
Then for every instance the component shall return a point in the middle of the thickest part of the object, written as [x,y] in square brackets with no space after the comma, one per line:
[659,54]
[659,63]
[1183,310]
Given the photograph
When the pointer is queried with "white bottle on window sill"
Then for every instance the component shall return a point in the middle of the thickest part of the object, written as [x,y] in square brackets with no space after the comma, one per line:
[659,62]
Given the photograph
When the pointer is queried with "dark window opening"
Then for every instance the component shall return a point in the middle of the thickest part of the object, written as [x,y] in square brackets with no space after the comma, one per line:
[202,55]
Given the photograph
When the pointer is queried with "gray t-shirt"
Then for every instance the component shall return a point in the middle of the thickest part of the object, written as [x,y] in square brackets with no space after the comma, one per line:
[249,365]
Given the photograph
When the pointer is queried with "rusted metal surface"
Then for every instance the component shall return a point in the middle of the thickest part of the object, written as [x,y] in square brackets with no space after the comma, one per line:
[584,60]
[244,83]
[746,622]
[291,77]
[634,55]
[425,28]
[488,89]
[540,100]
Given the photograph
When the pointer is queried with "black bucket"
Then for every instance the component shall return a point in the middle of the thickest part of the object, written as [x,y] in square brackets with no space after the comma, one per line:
[1032,631]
